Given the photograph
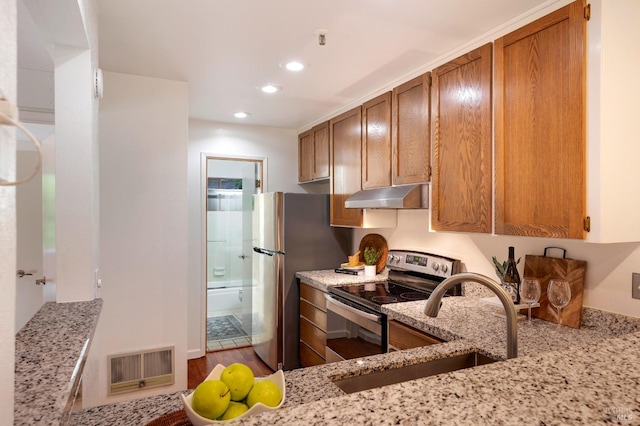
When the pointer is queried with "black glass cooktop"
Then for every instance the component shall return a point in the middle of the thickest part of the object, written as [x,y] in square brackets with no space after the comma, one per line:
[377,294]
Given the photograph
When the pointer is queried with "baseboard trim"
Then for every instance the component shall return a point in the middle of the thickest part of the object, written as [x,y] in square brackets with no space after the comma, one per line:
[195,353]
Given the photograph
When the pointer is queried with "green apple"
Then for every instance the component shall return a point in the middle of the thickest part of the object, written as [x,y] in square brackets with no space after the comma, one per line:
[235,409]
[239,378]
[211,399]
[266,392]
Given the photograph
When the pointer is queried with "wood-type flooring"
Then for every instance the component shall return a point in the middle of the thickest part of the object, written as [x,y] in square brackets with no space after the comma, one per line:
[200,368]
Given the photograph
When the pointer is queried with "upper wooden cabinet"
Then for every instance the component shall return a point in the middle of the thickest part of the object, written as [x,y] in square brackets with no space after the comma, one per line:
[410,131]
[313,153]
[376,142]
[345,135]
[461,135]
[540,127]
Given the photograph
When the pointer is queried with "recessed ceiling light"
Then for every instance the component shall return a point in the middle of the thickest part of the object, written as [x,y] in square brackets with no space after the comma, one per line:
[241,114]
[271,88]
[294,66]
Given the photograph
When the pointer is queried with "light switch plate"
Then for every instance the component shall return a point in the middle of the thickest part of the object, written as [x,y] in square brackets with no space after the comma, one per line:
[635,285]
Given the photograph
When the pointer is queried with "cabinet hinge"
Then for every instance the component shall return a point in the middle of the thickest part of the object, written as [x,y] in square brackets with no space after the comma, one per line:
[587,224]
[258,184]
[587,12]
[430,80]
[429,172]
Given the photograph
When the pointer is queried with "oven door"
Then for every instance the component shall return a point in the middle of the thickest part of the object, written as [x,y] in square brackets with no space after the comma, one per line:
[353,331]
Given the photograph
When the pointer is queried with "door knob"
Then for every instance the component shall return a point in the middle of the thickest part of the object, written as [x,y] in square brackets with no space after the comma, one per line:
[21,273]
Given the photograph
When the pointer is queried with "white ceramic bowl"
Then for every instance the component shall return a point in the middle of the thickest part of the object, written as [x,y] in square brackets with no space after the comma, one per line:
[277,378]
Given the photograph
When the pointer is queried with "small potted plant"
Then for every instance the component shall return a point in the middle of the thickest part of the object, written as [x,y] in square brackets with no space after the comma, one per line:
[371,256]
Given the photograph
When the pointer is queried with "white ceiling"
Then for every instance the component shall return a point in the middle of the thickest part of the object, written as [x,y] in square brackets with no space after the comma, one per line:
[226,49]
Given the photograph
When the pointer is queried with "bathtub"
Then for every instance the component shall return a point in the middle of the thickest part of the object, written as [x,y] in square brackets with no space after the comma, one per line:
[224,284]
[224,301]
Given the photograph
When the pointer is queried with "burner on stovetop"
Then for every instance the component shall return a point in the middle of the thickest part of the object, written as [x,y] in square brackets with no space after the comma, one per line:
[384,299]
[414,295]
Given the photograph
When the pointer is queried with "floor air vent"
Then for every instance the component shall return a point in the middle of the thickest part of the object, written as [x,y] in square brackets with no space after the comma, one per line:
[141,370]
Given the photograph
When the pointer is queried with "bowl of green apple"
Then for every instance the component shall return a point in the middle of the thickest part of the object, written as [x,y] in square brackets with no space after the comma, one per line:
[233,392]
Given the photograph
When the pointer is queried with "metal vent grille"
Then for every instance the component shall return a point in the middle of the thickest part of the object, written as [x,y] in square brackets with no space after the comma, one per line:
[140,370]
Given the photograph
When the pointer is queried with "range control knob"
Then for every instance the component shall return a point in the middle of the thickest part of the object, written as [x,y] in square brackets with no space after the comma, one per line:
[396,259]
[389,258]
[444,268]
[435,266]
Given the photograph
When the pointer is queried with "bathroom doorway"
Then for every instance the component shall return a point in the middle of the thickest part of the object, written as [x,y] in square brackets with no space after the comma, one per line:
[231,184]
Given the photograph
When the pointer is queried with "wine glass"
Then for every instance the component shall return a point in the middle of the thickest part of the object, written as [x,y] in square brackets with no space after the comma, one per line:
[559,295]
[530,292]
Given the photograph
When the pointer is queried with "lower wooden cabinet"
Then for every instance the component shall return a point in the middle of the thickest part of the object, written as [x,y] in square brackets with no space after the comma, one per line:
[313,326]
[309,357]
[402,336]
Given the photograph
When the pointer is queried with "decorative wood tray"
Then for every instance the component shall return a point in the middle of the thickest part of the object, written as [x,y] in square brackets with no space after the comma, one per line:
[376,241]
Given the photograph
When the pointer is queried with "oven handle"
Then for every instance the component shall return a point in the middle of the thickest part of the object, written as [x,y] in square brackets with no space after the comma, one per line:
[358,312]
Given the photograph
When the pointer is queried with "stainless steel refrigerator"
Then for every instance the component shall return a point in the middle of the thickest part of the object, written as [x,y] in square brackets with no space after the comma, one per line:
[291,233]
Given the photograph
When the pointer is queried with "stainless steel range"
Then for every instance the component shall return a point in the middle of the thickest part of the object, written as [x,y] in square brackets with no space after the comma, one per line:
[354,311]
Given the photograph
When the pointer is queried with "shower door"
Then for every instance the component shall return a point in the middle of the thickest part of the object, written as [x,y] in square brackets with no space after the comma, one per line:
[250,175]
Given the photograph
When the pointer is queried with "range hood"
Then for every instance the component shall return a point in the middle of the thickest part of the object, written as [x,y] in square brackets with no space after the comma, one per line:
[390,197]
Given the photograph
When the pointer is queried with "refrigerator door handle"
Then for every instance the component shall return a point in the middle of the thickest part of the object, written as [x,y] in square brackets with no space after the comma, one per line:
[262,251]
[267,252]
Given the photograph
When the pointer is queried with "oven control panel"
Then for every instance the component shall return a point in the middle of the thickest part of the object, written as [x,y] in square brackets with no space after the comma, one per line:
[424,263]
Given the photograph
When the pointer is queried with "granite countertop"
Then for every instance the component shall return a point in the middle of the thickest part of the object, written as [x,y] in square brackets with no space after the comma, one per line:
[328,277]
[50,353]
[562,375]
[585,384]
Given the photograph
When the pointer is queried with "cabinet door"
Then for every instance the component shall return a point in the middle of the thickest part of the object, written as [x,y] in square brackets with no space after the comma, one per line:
[376,142]
[345,138]
[402,336]
[321,151]
[305,156]
[313,326]
[410,137]
[540,127]
[462,174]
[313,153]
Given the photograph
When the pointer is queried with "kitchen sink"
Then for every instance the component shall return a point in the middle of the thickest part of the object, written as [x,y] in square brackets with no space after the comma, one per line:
[412,372]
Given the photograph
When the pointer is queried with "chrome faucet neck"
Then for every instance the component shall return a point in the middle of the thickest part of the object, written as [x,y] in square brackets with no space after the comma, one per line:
[432,308]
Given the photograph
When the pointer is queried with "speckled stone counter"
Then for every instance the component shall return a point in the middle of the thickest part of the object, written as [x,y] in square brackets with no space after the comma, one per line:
[138,412]
[50,353]
[585,384]
[485,327]
[562,375]
[328,277]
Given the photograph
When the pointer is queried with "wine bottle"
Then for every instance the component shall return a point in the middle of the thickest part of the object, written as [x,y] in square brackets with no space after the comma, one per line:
[511,277]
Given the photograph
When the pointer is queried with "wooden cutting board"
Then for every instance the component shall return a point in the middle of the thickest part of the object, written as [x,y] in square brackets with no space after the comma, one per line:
[379,242]
[547,268]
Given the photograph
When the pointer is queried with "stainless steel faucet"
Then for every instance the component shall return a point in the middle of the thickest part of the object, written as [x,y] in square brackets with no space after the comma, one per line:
[433,304]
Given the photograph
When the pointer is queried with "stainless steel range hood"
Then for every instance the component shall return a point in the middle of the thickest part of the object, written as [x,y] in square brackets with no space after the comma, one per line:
[391,197]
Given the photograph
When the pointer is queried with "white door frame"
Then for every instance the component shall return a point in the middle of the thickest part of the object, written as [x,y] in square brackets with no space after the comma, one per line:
[204,157]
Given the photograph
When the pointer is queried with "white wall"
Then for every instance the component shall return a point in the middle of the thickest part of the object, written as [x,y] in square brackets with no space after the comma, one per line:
[609,266]
[76,184]
[613,139]
[279,146]
[143,227]
[8,87]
